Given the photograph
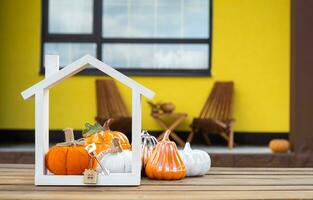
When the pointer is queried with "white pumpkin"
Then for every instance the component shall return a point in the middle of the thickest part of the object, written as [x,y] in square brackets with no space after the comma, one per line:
[115,159]
[197,162]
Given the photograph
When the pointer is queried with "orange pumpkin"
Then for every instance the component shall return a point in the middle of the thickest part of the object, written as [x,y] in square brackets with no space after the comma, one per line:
[69,157]
[94,134]
[165,162]
[108,135]
[279,145]
[103,136]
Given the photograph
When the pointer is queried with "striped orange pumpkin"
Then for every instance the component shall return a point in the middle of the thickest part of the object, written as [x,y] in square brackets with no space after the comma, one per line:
[165,162]
[108,135]
[103,137]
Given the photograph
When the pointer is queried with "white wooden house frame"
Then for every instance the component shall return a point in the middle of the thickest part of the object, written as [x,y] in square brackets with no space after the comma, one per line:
[53,76]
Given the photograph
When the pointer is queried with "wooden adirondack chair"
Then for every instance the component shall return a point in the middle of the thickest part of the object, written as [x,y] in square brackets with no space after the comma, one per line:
[110,104]
[216,115]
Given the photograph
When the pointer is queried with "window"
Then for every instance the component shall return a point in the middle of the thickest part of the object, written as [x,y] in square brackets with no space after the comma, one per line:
[137,37]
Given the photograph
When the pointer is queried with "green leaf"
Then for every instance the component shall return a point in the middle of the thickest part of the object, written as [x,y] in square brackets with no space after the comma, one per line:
[92,129]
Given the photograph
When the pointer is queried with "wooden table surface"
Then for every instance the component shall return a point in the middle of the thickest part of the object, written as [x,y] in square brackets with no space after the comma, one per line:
[16,182]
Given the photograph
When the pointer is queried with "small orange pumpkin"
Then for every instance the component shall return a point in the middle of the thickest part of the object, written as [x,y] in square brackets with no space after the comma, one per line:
[165,162]
[108,135]
[102,136]
[94,134]
[69,157]
[279,145]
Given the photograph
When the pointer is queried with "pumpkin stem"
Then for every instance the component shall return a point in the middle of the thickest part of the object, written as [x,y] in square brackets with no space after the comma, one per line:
[187,147]
[166,135]
[116,145]
[69,134]
[107,124]
[144,133]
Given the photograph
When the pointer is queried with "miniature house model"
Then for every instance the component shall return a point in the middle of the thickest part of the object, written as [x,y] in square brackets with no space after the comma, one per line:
[53,76]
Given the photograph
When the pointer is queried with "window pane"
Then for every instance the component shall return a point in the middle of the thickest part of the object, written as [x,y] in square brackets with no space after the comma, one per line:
[169,18]
[70,16]
[156,56]
[155,18]
[192,56]
[141,18]
[196,18]
[69,52]
[114,18]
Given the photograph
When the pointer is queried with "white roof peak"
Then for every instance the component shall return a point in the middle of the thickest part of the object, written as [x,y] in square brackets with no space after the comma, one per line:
[80,65]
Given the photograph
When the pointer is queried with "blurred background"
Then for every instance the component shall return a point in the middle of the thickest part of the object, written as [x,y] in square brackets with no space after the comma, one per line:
[177,48]
[250,46]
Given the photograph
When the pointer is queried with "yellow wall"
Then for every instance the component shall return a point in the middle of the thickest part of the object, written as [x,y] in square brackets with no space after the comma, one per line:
[251,45]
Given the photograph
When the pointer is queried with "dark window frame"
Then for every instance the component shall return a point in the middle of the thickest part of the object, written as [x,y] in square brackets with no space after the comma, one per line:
[96,37]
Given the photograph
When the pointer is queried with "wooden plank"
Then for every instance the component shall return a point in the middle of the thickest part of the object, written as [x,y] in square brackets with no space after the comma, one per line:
[32,166]
[258,169]
[159,188]
[28,170]
[261,172]
[17,166]
[192,181]
[207,177]
[231,181]
[26,175]
[156,195]
[30,173]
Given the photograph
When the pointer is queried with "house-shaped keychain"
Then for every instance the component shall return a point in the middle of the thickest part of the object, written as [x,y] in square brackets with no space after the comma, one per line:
[90,176]
[53,76]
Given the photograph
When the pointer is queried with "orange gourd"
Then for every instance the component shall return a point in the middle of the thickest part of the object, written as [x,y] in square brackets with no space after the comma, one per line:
[109,135]
[95,134]
[165,162]
[69,157]
[102,136]
[279,145]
